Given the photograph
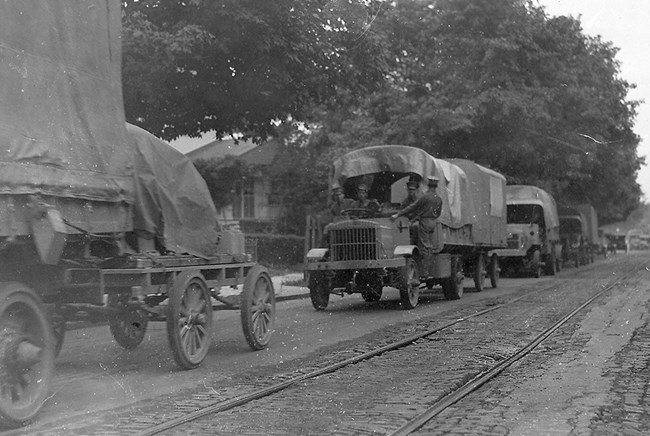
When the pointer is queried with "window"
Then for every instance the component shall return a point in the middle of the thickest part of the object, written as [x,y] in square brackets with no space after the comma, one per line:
[274,194]
[244,204]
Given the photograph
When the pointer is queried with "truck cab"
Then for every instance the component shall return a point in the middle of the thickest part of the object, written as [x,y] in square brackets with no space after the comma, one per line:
[533,232]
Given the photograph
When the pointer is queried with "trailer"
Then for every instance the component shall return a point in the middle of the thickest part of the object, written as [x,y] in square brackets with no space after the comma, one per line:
[99,221]
[364,250]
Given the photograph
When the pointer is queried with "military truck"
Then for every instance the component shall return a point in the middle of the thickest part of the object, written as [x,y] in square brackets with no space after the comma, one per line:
[364,250]
[578,234]
[533,232]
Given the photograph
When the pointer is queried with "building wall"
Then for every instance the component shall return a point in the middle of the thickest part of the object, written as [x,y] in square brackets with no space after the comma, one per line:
[263,211]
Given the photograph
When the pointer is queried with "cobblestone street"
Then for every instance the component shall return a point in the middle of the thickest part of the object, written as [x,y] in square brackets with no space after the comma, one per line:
[589,377]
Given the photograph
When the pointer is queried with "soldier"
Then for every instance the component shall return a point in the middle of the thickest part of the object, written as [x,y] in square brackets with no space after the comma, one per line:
[363,202]
[426,209]
[411,196]
[339,202]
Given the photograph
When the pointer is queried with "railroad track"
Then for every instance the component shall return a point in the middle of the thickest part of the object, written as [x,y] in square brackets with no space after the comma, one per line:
[362,354]
[435,408]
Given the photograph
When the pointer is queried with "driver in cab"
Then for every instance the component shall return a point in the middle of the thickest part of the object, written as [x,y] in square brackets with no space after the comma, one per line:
[363,202]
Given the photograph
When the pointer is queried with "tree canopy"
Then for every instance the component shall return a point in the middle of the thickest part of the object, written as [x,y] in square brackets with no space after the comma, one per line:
[495,81]
[236,66]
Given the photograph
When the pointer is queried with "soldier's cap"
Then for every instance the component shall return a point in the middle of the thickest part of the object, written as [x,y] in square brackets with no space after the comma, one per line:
[412,184]
[433,180]
[337,189]
[362,187]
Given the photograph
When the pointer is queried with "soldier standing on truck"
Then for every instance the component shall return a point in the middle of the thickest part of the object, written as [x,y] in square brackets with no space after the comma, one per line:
[412,195]
[426,209]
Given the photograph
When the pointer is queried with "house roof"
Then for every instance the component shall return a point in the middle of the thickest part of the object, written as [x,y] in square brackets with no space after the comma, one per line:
[221,148]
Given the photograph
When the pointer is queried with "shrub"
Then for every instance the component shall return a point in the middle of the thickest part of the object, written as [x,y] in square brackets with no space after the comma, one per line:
[278,251]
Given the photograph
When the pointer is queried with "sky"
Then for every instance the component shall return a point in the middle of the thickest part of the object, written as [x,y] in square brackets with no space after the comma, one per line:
[625,24]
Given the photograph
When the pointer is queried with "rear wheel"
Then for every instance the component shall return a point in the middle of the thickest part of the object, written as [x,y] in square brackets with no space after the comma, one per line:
[479,273]
[409,284]
[26,354]
[258,308]
[319,290]
[189,319]
[128,326]
[494,271]
[452,286]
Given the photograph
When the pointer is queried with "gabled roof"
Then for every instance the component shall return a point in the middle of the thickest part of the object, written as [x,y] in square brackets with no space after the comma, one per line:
[221,148]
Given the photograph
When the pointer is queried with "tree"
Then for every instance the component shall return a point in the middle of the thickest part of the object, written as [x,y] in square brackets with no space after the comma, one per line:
[236,66]
[500,83]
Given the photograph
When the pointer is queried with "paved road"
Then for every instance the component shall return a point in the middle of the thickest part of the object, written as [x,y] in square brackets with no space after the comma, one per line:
[97,379]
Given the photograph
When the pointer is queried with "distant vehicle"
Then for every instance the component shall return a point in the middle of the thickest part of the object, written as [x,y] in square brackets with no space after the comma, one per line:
[579,234]
[533,232]
[365,251]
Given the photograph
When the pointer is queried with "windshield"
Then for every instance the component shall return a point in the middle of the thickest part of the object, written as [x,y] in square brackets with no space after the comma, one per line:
[525,214]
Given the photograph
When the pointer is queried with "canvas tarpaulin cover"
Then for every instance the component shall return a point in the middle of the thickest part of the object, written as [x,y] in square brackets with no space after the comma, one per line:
[61,111]
[453,188]
[526,194]
[172,199]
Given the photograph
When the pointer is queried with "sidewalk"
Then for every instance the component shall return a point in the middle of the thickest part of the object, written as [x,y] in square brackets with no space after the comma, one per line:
[282,286]
[285,292]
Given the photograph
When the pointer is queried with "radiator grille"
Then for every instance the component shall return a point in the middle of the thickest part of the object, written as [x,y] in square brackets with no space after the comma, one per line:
[354,244]
[513,241]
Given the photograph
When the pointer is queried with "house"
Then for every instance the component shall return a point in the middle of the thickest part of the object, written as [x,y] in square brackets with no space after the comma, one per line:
[256,207]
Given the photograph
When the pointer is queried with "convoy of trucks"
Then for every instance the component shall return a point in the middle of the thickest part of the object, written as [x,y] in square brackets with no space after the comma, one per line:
[101,221]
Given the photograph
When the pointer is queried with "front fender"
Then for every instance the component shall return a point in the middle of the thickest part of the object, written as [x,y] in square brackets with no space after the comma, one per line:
[405,250]
[316,254]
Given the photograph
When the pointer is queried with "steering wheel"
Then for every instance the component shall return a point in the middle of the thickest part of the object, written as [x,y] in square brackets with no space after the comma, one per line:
[358,212]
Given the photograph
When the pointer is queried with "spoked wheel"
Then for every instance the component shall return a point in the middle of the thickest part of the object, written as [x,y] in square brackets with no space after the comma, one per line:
[189,319]
[479,273]
[319,290]
[409,284]
[452,287]
[494,271]
[128,326]
[258,308]
[26,354]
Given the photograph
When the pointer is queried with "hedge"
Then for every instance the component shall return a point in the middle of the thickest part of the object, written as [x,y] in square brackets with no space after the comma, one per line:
[278,251]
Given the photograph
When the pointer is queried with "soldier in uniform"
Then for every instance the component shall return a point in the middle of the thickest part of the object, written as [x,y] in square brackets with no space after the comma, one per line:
[412,195]
[339,202]
[363,202]
[426,209]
